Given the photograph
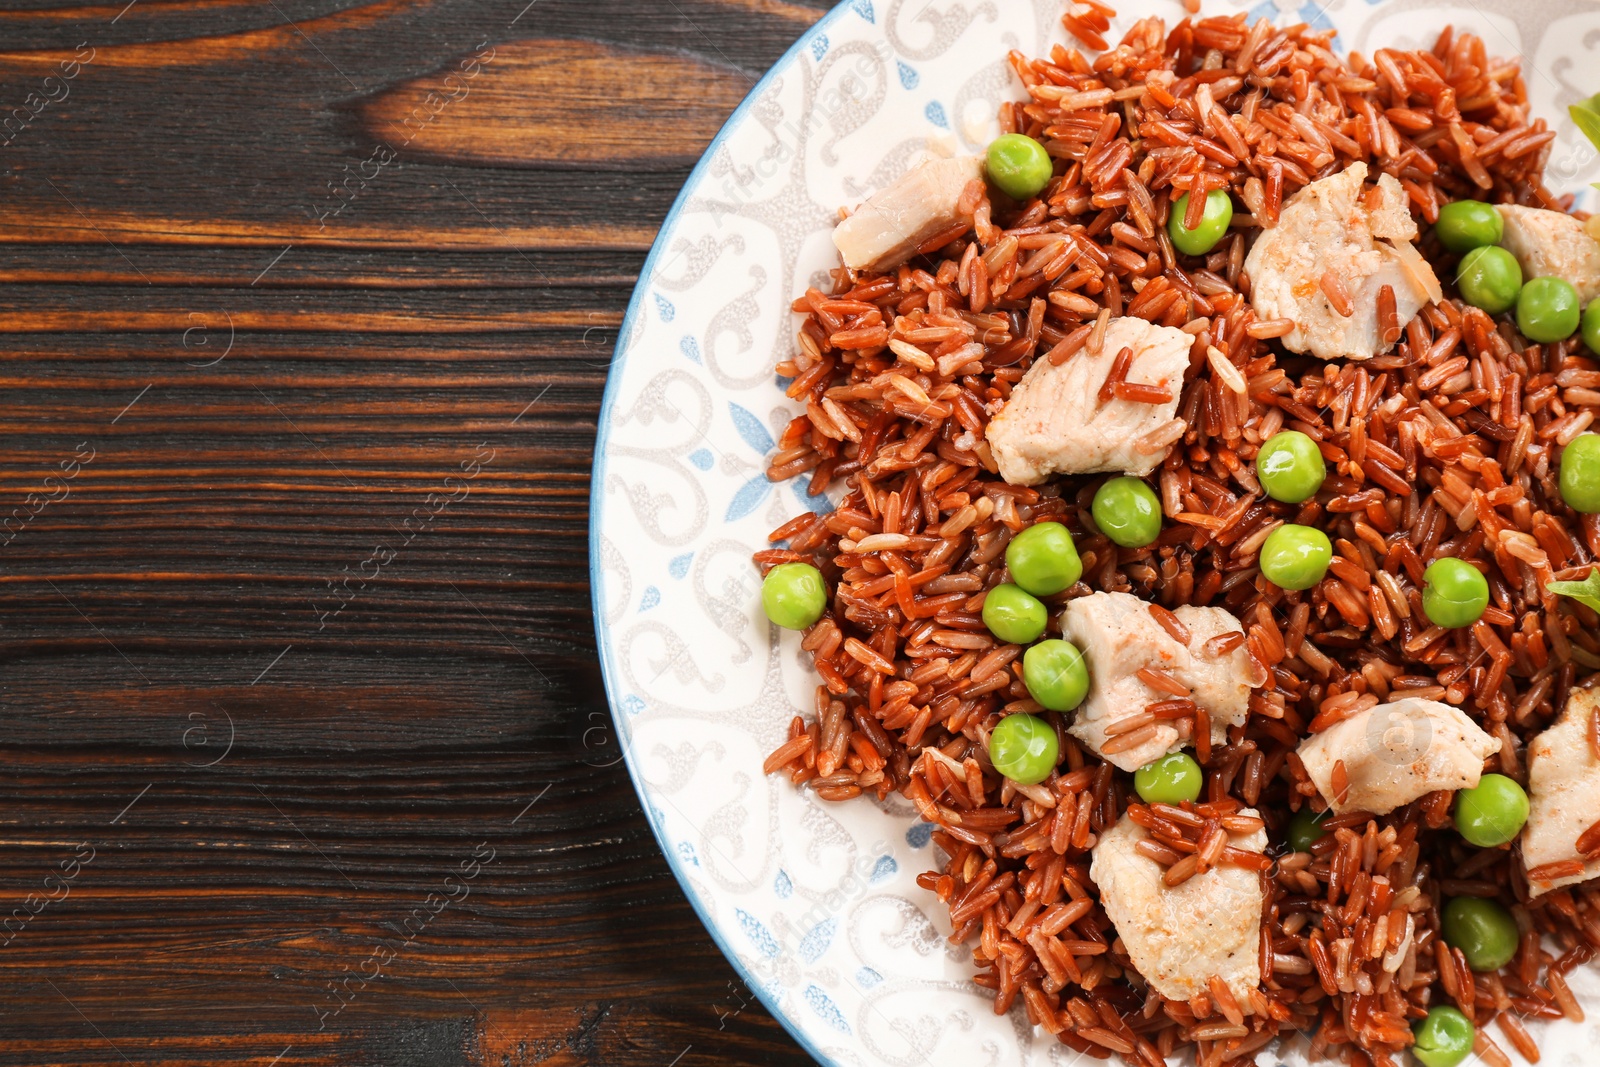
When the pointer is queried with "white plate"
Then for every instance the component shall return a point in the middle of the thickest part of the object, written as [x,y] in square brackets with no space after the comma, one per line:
[816,903]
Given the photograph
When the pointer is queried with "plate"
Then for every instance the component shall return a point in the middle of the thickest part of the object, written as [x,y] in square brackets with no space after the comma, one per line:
[816,904]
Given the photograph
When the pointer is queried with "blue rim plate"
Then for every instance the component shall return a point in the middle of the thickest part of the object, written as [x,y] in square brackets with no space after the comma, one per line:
[815,904]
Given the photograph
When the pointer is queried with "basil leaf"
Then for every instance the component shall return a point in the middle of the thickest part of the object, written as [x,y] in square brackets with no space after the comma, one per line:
[1586,592]
[1586,114]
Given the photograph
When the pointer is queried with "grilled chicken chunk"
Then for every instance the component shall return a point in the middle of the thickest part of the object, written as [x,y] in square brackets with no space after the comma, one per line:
[1563,792]
[1221,683]
[1056,423]
[886,231]
[1395,753]
[1118,637]
[1180,936]
[1359,235]
[1552,244]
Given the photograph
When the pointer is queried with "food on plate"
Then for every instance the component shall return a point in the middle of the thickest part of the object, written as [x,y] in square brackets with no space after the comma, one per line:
[1467,224]
[1055,675]
[1024,748]
[1014,615]
[1444,1038]
[1170,779]
[1128,511]
[1493,812]
[1390,754]
[1043,559]
[1454,593]
[1158,679]
[1561,845]
[1214,561]
[1306,828]
[1580,473]
[1109,407]
[1482,930]
[1548,310]
[1195,232]
[794,595]
[1489,278]
[1019,166]
[1290,467]
[1295,557]
[1552,244]
[923,204]
[1338,244]
[1196,935]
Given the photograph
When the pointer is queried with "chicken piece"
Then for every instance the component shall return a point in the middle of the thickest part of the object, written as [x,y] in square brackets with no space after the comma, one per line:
[1118,637]
[886,231]
[1396,752]
[1552,244]
[1221,683]
[1180,936]
[1563,792]
[1056,423]
[1360,235]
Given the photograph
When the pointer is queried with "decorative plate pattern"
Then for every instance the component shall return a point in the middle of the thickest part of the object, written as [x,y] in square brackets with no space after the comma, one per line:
[816,903]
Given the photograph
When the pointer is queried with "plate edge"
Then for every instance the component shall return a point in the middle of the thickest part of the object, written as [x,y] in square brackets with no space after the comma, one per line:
[597,502]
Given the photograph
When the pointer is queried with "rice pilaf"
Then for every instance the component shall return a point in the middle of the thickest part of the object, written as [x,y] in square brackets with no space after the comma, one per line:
[1445,446]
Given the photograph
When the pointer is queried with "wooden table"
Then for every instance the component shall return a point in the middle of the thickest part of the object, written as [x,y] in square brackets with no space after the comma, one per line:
[309,307]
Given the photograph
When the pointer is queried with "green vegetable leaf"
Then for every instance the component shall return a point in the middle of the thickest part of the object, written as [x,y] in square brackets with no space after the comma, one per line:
[1586,114]
[1586,592]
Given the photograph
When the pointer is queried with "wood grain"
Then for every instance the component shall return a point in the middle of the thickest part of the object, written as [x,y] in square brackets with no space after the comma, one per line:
[259,752]
[560,103]
[21,224]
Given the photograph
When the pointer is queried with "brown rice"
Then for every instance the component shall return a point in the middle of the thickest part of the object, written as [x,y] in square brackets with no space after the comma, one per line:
[1447,445]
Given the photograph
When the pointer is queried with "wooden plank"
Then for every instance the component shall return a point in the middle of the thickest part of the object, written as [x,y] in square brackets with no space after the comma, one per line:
[559,103]
[211,266]
[126,228]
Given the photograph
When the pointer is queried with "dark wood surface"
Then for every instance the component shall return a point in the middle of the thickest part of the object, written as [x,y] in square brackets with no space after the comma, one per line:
[308,307]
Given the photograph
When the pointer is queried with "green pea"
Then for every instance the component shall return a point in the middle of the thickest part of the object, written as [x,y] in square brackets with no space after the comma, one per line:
[1483,930]
[1024,748]
[1019,165]
[1290,467]
[1580,472]
[1128,511]
[793,595]
[1056,674]
[1213,223]
[1454,593]
[1296,557]
[1172,779]
[1305,829]
[1548,310]
[1590,325]
[1491,813]
[1489,278]
[1043,560]
[1468,224]
[1444,1038]
[1013,615]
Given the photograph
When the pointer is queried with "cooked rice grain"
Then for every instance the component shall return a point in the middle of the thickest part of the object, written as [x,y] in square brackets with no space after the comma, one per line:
[1447,445]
